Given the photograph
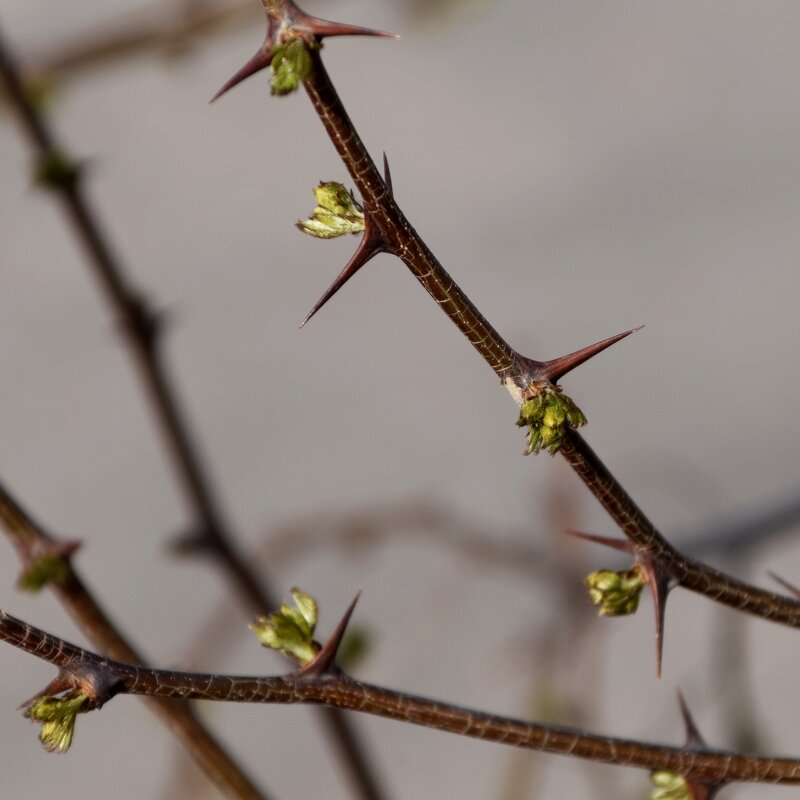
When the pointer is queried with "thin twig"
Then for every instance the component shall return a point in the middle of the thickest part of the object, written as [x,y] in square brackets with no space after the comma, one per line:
[167,27]
[32,544]
[80,668]
[141,327]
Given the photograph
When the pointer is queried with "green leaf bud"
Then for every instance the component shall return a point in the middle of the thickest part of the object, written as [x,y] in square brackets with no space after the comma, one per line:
[336,214]
[57,716]
[546,415]
[47,568]
[615,593]
[291,630]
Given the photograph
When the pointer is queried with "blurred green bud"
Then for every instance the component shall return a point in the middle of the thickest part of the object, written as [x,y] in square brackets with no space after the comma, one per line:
[355,647]
[669,786]
[616,593]
[291,630]
[291,65]
[336,214]
[546,415]
[54,170]
[47,568]
[57,716]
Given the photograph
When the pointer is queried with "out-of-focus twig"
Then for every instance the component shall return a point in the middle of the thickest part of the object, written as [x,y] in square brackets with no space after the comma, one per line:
[737,534]
[142,326]
[168,28]
[34,547]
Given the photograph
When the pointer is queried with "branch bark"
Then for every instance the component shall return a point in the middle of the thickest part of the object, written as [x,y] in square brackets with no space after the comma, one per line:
[80,668]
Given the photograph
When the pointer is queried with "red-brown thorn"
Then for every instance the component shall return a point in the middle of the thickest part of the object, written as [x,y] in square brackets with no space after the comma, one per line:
[698,789]
[556,368]
[261,60]
[325,660]
[372,243]
[97,685]
[694,739]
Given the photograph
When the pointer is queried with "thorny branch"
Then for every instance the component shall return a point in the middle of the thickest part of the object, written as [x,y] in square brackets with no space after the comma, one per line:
[100,679]
[142,327]
[388,230]
[385,230]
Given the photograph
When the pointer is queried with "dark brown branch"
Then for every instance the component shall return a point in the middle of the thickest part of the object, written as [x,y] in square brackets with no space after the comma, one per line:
[141,328]
[80,667]
[689,573]
[32,543]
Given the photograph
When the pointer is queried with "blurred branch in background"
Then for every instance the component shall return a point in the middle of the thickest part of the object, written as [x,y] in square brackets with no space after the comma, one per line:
[46,560]
[358,533]
[167,29]
[737,535]
[210,533]
[170,30]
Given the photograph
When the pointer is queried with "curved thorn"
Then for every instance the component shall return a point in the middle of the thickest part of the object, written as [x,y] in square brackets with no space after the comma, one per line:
[616,544]
[261,60]
[370,245]
[326,658]
[555,369]
[694,739]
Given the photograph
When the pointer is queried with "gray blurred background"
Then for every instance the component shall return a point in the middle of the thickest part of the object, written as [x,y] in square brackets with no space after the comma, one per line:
[580,168]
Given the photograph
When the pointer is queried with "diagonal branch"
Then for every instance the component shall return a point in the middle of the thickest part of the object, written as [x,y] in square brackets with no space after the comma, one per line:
[33,544]
[142,327]
[80,668]
[518,372]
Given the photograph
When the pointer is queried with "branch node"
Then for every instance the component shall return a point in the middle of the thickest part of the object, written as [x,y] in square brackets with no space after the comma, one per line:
[288,24]
[50,564]
[76,689]
[617,593]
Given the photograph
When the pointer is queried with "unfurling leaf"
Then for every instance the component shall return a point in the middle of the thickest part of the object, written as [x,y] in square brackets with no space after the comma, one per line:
[336,214]
[546,415]
[291,630]
[616,593]
[57,716]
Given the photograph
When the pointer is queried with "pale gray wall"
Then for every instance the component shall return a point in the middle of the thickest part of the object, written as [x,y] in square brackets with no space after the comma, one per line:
[580,167]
